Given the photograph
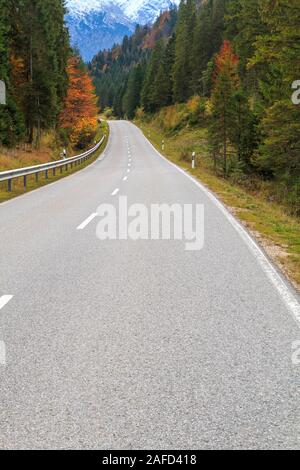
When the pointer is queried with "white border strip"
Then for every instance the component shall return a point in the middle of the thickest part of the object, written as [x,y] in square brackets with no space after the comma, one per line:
[4,300]
[284,291]
[115,192]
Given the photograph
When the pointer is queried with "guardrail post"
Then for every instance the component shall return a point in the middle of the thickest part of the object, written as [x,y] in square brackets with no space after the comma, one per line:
[66,167]
[46,174]
[9,185]
[25,181]
[54,172]
[61,169]
[36,177]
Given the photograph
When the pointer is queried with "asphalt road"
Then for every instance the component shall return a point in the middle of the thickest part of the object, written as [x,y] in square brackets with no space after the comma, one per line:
[140,344]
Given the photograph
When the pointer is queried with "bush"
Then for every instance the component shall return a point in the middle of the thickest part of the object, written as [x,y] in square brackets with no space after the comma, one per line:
[196,110]
[140,114]
[108,113]
[185,156]
[84,133]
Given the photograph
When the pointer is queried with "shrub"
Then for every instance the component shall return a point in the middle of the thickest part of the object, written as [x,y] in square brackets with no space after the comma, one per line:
[84,132]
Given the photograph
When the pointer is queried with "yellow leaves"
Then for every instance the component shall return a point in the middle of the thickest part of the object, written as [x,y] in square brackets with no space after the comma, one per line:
[193,104]
[84,130]
[80,112]
[17,75]
[208,107]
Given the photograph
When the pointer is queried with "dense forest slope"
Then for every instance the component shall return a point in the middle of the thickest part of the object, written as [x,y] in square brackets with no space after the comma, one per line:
[48,89]
[238,59]
[111,68]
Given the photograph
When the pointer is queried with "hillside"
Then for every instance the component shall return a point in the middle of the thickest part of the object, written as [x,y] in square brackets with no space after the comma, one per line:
[111,68]
[233,60]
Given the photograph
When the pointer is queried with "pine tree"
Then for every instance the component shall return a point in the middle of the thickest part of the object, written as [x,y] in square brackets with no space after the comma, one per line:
[132,97]
[280,46]
[40,43]
[168,64]
[201,48]
[244,135]
[11,119]
[182,72]
[244,24]
[118,100]
[149,98]
[224,115]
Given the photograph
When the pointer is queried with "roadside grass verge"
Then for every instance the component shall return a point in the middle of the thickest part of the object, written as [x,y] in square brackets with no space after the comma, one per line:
[18,186]
[276,231]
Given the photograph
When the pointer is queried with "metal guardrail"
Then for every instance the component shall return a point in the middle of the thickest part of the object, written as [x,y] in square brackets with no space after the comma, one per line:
[45,167]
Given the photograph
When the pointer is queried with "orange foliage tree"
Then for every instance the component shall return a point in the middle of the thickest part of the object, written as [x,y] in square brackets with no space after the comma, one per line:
[79,117]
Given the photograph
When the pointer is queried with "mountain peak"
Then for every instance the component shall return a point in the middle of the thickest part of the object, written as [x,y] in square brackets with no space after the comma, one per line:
[98,24]
[132,9]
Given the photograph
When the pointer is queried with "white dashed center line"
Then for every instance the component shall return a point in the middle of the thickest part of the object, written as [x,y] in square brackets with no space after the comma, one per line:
[125,178]
[115,192]
[87,221]
[4,300]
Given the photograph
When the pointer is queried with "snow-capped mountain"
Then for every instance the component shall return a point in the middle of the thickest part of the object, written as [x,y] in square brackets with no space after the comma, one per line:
[98,24]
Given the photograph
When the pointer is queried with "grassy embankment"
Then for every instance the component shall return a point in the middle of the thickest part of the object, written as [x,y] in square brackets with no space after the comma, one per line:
[276,230]
[48,152]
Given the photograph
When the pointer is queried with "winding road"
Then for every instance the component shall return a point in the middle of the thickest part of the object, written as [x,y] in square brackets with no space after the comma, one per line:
[140,344]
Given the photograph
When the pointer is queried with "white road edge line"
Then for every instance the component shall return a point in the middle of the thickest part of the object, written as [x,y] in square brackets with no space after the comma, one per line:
[115,192]
[87,221]
[4,300]
[284,291]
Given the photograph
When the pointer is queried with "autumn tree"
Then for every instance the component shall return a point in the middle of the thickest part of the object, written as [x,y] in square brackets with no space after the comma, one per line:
[79,117]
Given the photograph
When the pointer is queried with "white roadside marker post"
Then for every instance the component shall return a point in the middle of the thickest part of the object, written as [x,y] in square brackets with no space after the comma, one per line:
[194,160]
[163,145]
[2,92]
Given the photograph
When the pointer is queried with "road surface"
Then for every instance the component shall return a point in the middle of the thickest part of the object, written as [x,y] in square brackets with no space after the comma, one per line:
[139,344]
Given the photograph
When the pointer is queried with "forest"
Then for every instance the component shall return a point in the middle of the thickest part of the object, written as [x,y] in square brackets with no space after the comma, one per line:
[237,64]
[48,86]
